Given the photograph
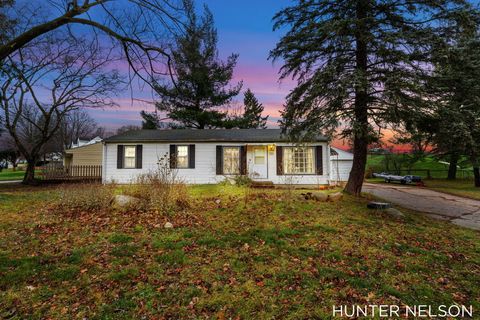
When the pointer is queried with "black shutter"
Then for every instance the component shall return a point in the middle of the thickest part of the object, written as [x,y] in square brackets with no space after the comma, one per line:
[243,160]
[191,156]
[279,161]
[120,156]
[319,160]
[219,165]
[173,156]
[138,156]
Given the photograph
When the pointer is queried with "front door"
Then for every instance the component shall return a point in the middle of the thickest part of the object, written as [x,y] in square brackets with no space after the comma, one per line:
[258,161]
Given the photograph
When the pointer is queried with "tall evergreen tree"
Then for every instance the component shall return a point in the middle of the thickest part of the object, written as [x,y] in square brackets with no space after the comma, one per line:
[457,85]
[252,113]
[359,62]
[150,120]
[202,91]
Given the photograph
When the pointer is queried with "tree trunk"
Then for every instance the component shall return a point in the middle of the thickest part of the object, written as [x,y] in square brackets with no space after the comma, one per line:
[355,180]
[360,123]
[452,167]
[29,177]
[476,174]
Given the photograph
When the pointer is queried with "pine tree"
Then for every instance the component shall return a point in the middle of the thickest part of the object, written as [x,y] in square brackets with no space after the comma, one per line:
[359,63]
[457,85]
[201,92]
[252,114]
[150,120]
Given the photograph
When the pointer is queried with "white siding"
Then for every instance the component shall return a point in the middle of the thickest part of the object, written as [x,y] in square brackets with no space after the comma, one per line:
[205,162]
[340,169]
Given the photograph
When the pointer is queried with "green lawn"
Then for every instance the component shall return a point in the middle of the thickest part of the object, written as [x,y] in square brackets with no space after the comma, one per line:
[9,174]
[233,253]
[437,170]
[426,163]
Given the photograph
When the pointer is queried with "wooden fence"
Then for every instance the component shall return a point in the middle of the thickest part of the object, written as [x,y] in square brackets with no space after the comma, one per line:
[54,171]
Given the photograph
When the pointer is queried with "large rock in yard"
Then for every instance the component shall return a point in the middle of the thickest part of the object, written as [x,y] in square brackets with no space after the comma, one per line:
[123,201]
[337,196]
[168,225]
[317,196]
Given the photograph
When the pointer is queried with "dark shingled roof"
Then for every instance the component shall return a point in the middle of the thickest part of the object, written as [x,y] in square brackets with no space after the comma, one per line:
[207,135]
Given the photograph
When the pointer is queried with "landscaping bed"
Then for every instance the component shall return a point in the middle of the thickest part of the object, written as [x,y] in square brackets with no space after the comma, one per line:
[233,252]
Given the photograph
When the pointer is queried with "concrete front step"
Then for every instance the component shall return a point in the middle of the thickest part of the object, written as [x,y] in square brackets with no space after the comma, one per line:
[262,184]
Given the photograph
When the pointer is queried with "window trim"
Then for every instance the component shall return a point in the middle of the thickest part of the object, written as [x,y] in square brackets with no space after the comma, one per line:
[239,160]
[188,156]
[314,161]
[134,157]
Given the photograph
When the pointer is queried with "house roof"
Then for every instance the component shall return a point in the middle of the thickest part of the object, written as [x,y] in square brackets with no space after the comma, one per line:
[81,143]
[339,154]
[206,135]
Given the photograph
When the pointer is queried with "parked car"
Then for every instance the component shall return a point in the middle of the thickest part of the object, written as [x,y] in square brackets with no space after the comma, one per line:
[381,174]
[396,178]
[403,179]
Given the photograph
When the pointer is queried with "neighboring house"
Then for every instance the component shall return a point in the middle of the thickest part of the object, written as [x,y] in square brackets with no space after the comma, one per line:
[84,152]
[211,156]
[84,141]
[341,164]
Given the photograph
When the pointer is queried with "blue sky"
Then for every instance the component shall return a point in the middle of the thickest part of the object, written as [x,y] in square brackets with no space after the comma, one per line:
[244,27]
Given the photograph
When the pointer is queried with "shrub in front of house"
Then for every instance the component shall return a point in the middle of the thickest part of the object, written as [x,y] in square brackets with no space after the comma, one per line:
[160,190]
[85,197]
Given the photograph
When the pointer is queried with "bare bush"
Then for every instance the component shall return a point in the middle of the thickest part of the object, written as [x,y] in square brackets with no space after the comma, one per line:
[161,190]
[85,197]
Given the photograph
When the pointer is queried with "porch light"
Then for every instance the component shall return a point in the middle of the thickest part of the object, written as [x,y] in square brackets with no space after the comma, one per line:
[271,147]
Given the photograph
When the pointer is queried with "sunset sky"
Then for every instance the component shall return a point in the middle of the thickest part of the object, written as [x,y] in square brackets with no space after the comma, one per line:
[244,27]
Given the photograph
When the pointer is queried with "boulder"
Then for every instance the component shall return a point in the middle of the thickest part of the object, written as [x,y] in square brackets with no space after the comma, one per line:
[317,196]
[337,196]
[395,213]
[123,201]
[320,196]
[168,225]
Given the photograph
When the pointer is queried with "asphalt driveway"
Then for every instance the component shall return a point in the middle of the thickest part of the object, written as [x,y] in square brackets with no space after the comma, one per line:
[458,210]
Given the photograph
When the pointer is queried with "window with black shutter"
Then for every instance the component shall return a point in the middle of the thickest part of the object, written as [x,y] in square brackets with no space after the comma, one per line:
[129,156]
[182,156]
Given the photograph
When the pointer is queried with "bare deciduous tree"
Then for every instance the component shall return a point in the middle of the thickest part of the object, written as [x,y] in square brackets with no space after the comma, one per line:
[44,82]
[139,27]
[75,125]
[9,153]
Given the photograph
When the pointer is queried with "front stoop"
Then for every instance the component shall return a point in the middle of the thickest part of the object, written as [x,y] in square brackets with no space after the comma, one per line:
[262,184]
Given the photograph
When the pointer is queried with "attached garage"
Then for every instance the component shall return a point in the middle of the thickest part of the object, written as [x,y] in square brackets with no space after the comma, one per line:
[340,164]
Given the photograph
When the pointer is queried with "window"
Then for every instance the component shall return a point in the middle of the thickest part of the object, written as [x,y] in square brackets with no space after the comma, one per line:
[259,155]
[182,157]
[129,157]
[298,160]
[231,160]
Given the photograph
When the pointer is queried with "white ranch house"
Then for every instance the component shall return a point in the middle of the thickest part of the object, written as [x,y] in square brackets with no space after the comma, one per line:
[211,156]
